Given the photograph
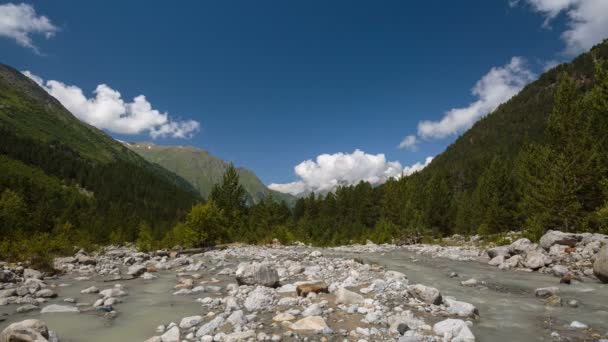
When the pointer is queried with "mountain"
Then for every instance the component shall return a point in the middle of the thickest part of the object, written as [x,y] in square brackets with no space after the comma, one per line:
[203,169]
[64,170]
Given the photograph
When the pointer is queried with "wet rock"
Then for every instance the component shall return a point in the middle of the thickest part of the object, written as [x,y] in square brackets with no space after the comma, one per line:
[554,237]
[402,328]
[566,279]
[90,290]
[30,330]
[344,296]
[46,293]
[136,270]
[427,294]
[573,303]
[578,325]
[56,308]
[318,287]
[257,274]
[312,323]
[470,282]
[462,309]
[600,266]
[546,292]
[189,322]
[559,270]
[27,308]
[454,330]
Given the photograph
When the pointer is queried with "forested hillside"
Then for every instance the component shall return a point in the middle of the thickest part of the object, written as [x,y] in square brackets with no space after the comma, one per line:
[203,170]
[57,172]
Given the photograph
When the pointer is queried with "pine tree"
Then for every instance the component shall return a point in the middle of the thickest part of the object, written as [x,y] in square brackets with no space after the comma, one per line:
[229,195]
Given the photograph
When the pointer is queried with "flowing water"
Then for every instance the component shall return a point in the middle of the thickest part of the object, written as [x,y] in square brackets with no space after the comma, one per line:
[508,308]
[509,311]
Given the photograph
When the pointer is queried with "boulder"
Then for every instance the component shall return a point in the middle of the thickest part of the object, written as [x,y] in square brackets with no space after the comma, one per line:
[344,296]
[498,251]
[559,270]
[497,260]
[427,294]
[306,288]
[30,330]
[454,330]
[136,270]
[189,322]
[258,299]
[311,323]
[46,293]
[8,293]
[546,292]
[31,273]
[171,335]
[521,246]
[257,274]
[535,260]
[554,237]
[462,309]
[86,260]
[600,266]
[512,262]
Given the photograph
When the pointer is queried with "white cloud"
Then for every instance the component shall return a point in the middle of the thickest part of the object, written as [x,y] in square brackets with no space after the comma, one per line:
[20,21]
[408,170]
[587,21]
[329,171]
[410,142]
[494,88]
[107,110]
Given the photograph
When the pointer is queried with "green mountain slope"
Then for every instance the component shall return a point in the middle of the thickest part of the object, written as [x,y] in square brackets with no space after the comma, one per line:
[521,119]
[104,186]
[202,169]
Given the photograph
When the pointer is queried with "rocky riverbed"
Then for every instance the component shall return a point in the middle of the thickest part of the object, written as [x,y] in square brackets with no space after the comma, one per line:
[297,293]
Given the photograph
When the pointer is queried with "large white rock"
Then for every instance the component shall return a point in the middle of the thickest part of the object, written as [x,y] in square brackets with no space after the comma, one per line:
[497,260]
[554,237]
[454,330]
[311,323]
[189,322]
[600,265]
[136,270]
[30,330]
[171,335]
[427,294]
[344,296]
[521,246]
[258,299]
[257,274]
[462,309]
[535,260]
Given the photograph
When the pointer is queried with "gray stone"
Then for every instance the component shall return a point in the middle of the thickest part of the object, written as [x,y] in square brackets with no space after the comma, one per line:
[554,237]
[46,293]
[27,308]
[31,273]
[257,274]
[498,251]
[311,323]
[455,330]
[521,246]
[545,292]
[427,294]
[30,330]
[258,299]
[189,322]
[497,260]
[462,309]
[559,270]
[344,296]
[210,327]
[136,270]
[171,335]
[535,260]
[600,266]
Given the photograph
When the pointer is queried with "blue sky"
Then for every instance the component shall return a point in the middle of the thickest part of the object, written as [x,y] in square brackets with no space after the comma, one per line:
[274,83]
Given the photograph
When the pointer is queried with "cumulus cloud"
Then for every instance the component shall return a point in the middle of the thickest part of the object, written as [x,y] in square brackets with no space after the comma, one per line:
[107,110]
[587,21]
[329,171]
[408,170]
[410,142]
[494,88]
[20,21]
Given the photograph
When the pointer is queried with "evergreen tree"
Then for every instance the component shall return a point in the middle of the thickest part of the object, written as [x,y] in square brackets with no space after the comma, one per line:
[229,195]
